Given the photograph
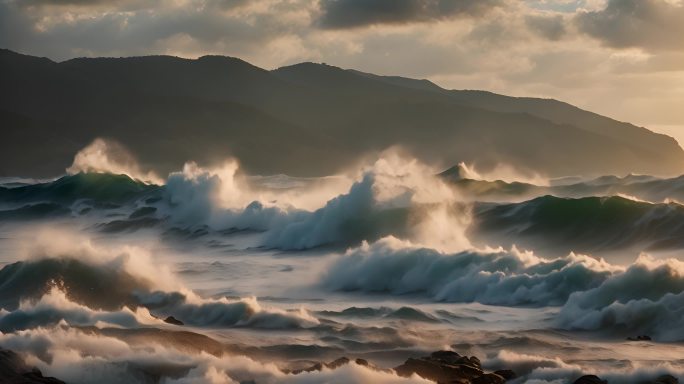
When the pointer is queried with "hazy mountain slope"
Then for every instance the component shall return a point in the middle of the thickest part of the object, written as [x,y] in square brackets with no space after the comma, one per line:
[306,119]
[549,109]
[418,84]
[563,113]
[553,110]
[491,138]
[438,126]
[164,127]
[33,147]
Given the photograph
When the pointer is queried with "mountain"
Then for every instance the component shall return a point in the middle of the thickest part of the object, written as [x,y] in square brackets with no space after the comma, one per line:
[305,119]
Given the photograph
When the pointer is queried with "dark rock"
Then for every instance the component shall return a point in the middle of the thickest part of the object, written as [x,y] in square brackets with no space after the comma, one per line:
[475,361]
[506,374]
[453,358]
[315,367]
[640,338]
[13,370]
[665,379]
[443,367]
[337,363]
[449,357]
[438,371]
[590,379]
[36,377]
[488,378]
[363,362]
[173,320]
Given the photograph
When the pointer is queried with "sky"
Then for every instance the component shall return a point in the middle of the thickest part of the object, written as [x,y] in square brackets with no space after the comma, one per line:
[619,58]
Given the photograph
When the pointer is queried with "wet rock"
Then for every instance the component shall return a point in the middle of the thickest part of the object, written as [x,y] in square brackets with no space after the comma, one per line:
[13,370]
[590,379]
[453,358]
[446,367]
[173,320]
[337,363]
[319,366]
[488,378]
[363,362]
[449,357]
[314,368]
[474,361]
[640,338]
[443,367]
[665,379]
[507,374]
[436,371]
[449,367]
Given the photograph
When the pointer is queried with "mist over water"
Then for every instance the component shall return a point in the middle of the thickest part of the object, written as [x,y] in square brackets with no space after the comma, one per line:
[113,274]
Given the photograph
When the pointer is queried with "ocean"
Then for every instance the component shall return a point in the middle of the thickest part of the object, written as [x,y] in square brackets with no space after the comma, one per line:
[113,275]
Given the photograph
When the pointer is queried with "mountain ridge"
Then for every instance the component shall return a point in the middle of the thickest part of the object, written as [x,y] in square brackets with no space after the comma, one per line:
[303,119]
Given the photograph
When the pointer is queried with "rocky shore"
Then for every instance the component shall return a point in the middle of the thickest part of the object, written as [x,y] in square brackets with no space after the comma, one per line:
[449,367]
[442,367]
[13,370]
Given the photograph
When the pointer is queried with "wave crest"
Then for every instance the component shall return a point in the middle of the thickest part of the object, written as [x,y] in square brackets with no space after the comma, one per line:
[107,156]
[83,272]
[490,277]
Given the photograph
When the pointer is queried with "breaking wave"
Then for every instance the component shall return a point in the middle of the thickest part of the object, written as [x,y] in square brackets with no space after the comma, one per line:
[494,277]
[409,204]
[641,187]
[62,282]
[644,298]
[100,188]
[107,156]
[78,356]
[545,369]
[391,197]
[409,233]
[584,224]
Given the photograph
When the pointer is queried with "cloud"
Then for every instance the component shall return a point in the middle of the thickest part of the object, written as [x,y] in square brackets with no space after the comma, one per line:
[136,27]
[653,25]
[550,27]
[619,58]
[357,13]
[120,5]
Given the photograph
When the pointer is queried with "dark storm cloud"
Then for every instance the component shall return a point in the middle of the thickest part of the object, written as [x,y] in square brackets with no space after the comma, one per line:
[550,27]
[66,2]
[648,24]
[133,27]
[340,14]
[119,5]
[226,4]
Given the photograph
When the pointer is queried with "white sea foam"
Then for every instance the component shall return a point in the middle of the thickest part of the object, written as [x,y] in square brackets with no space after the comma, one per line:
[110,157]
